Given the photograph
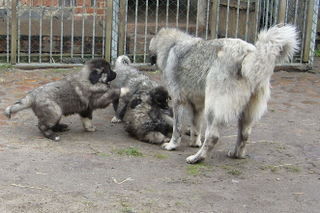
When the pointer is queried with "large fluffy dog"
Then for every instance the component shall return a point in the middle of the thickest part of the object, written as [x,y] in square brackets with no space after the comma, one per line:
[228,78]
[144,109]
[78,93]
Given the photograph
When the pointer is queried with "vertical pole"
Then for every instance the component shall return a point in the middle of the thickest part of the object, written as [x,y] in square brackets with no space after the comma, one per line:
[214,19]
[310,27]
[108,37]
[14,32]
[122,26]
[282,11]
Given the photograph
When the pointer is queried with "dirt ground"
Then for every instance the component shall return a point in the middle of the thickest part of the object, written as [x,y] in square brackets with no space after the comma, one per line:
[107,171]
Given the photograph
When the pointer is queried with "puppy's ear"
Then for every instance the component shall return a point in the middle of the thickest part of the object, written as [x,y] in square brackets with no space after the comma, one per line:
[94,77]
[159,97]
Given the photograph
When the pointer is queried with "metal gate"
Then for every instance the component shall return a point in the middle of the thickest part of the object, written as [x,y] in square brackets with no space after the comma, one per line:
[71,31]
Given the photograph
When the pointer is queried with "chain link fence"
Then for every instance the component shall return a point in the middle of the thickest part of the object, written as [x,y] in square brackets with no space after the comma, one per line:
[71,31]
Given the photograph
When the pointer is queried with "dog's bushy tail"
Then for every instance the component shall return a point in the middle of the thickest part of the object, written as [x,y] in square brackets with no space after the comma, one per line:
[280,41]
[122,60]
[278,44]
[22,104]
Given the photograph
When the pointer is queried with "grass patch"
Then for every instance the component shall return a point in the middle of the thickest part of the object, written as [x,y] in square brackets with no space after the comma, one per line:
[231,170]
[292,168]
[197,169]
[126,208]
[160,156]
[317,52]
[130,152]
[102,154]
[5,66]
[289,168]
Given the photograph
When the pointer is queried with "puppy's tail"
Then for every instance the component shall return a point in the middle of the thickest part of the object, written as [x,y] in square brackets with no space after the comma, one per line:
[275,45]
[22,104]
[122,60]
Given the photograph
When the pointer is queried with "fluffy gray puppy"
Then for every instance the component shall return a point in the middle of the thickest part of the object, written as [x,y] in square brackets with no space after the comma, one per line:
[131,78]
[228,79]
[144,109]
[79,93]
[148,117]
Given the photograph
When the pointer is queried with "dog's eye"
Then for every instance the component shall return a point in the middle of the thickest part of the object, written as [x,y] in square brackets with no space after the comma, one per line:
[135,103]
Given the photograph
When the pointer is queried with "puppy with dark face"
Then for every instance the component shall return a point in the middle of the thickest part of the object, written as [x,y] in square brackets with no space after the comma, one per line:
[148,116]
[79,93]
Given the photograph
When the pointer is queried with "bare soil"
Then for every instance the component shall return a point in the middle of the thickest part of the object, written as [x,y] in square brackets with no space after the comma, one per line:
[107,171]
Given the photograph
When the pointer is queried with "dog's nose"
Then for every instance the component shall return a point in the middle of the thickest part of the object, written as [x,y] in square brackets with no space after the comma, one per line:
[153,59]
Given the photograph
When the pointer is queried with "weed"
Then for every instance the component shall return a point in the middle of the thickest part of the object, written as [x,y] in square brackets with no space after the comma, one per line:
[160,156]
[196,169]
[102,154]
[130,152]
[231,170]
[317,52]
[292,168]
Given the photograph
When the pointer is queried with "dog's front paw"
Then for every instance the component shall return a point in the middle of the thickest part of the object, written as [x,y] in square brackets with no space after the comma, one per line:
[169,146]
[91,129]
[195,159]
[115,120]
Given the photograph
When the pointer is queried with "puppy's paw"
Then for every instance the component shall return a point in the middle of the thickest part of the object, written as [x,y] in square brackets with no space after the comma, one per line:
[124,91]
[169,146]
[195,159]
[90,129]
[7,112]
[115,120]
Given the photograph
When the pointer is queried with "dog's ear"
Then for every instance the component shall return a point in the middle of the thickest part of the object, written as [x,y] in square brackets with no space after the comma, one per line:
[94,76]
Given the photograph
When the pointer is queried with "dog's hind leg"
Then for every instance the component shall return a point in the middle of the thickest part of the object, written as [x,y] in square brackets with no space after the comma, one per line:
[244,129]
[177,124]
[49,114]
[195,131]
[211,138]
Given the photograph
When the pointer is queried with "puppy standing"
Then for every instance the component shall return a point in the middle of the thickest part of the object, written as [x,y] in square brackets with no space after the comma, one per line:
[78,93]
[228,78]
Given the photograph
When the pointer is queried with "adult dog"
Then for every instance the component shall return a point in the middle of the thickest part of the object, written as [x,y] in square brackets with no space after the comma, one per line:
[144,109]
[228,78]
[78,93]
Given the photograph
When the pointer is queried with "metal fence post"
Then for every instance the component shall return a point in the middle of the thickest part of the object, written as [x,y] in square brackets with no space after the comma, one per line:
[214,21]
[122,26]
[14,32]
[108,38]
[282,11]
[311,26]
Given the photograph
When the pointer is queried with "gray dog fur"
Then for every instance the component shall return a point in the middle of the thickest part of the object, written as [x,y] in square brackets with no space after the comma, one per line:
[228,79]
[144,109]
[78,93]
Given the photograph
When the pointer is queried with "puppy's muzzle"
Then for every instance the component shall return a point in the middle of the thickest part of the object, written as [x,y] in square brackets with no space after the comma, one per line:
[111,76]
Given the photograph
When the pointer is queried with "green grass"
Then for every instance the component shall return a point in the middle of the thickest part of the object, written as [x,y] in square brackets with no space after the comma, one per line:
[197,169]
[160,156]
[231,170]
[288,168]
[102,154]
[317,52]
[130,152]
[292,168]
[5,66]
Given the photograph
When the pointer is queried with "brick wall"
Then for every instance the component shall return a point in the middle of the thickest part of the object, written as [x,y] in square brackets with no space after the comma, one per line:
[81,6]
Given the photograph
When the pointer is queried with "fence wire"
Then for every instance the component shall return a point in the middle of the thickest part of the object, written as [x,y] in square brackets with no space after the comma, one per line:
[71,31]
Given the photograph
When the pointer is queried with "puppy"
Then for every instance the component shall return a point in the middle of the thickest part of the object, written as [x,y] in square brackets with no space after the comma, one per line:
[79,93]
[148,117]
[144,109]
[131,78]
